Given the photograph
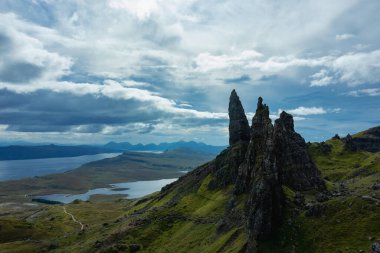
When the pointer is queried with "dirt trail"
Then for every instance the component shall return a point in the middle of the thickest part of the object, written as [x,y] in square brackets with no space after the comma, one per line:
[74,219]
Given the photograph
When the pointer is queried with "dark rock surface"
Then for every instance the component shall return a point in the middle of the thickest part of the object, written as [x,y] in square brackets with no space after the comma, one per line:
[376,186]
[266,197]
[322,197]
[238,128]
[336,137]
[324,148]
[349,143]
[368,140]
[226,166]
[296,168]
[299,199]
[314,210]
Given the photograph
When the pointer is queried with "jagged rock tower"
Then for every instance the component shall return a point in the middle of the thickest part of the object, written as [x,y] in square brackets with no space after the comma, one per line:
[259,162]
[276,156]
[239,128]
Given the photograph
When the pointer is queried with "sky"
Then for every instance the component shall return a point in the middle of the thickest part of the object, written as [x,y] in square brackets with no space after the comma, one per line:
[151,71]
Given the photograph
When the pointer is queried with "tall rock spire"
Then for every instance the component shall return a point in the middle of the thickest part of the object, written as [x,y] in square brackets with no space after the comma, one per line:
[238,128]
[258,176]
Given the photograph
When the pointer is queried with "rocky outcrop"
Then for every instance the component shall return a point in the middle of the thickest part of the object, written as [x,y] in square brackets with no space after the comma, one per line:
[368,140]
[259,162]
[238,128]
[226,165]
[276,156]
[349,143]
[336,137]
[295,166]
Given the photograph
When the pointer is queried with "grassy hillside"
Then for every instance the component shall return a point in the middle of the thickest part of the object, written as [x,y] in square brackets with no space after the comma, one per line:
[188,216]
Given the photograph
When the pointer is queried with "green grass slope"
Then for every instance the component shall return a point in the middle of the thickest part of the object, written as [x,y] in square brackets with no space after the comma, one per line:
[187,216]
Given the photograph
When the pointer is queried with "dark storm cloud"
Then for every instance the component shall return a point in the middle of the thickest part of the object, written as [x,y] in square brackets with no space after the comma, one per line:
[47,111]
[240,79]
[155,71]
[147,129]
[37,128]
[20,72]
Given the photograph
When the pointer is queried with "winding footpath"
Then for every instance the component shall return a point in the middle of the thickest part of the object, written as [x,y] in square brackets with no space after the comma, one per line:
[74,219]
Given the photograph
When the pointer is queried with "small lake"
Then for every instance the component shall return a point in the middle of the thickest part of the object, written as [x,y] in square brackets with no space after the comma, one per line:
[17,169]
[132,190]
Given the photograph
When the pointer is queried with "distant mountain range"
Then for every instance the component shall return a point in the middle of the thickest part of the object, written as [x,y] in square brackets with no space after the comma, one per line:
[199,146]
[48,151]
[21,152]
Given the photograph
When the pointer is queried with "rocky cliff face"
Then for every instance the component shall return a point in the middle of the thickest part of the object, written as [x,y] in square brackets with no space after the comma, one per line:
[368,140]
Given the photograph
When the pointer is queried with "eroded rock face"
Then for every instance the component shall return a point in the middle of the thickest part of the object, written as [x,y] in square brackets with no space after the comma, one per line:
[349,143]
[258,176]
[295,166]
[276,156]
[368,141]
[238,128]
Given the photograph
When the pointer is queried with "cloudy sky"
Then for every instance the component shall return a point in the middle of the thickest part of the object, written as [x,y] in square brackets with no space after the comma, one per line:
[162,70]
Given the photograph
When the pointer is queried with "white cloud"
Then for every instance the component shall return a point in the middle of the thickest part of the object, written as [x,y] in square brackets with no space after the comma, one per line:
[373,92]
[161,49]
[322,78]
[27,46]
[205,62]
[141,8]
[352,69]
[358,68]
[335,110]
[305,111]
[345,36]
